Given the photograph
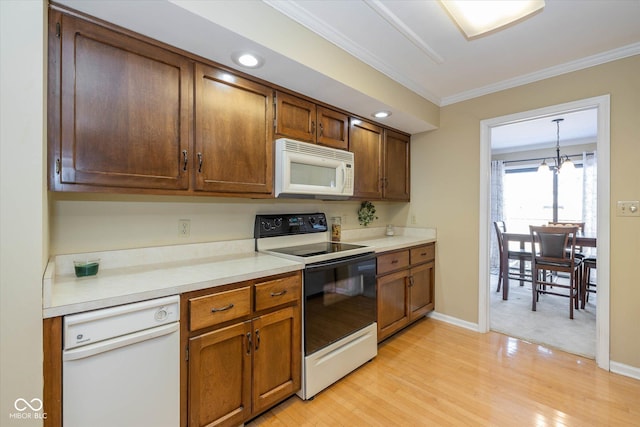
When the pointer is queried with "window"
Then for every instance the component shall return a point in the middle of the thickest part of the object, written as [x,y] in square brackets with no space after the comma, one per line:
[528,197]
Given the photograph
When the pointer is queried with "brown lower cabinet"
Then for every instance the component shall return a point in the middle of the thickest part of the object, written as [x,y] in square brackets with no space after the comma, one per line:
[244,349]
[405,287]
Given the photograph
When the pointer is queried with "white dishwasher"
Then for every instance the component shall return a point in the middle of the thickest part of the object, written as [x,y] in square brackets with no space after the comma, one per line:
[121,366]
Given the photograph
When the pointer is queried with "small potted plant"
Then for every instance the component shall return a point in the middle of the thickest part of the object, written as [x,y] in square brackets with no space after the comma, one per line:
[366,213]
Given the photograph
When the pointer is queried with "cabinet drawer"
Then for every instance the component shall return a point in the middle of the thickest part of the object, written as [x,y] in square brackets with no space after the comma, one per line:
[277,292]
[220,307]
[423,254]
[393,261]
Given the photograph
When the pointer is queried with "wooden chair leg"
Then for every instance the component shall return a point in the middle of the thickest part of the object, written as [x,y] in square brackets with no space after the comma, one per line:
[534,289]
[572,296]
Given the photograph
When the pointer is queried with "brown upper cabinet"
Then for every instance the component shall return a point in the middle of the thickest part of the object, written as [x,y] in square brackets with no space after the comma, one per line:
[396,173]
[233,133]
[381,162]
[365,142]
[128,114]
[119,109]
[304,120]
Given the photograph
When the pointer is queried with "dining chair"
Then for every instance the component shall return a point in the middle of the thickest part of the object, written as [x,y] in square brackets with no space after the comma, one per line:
[520,255]
[579,224]
[554,249]
[587,287]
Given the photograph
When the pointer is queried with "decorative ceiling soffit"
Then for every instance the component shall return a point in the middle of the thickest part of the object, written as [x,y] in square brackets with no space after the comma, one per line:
[325,30]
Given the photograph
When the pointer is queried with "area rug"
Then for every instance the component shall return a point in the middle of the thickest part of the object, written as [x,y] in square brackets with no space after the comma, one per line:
[549,325]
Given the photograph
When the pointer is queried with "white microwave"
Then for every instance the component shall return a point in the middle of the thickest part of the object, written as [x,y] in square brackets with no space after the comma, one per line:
[312,171]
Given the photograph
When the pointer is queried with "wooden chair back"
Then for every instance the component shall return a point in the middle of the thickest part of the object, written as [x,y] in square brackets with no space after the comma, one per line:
[554,244]
[500,228]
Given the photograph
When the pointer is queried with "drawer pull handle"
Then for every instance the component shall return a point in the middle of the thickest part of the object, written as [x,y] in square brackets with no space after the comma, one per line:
[257,339]
[225,308]
[277,294]
[423,254]
[248,342]
[395,261]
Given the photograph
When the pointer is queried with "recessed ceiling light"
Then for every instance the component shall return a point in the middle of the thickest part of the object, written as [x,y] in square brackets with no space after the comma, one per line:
[479,16]
[248,59]
[381,114]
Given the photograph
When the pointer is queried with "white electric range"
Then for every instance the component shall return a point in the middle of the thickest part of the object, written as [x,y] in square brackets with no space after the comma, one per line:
[339,289]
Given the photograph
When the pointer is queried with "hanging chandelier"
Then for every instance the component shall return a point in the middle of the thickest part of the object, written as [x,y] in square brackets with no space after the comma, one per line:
[561,162]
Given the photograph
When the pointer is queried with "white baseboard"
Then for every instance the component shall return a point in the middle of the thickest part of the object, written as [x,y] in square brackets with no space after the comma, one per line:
[626,370]
[615,367]
[454,321]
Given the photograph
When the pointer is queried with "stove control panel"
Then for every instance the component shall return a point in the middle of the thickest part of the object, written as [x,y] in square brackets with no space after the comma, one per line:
[289,224]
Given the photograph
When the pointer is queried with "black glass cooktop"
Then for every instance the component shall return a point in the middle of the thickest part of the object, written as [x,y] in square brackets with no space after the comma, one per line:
[316,249]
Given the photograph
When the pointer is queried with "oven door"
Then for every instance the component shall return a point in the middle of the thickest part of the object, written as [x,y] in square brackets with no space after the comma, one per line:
[339,299]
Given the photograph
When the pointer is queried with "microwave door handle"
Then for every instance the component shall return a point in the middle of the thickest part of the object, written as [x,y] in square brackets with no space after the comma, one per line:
[344,176]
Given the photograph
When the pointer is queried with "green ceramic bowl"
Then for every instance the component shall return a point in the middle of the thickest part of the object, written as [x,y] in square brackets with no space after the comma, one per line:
[86,268]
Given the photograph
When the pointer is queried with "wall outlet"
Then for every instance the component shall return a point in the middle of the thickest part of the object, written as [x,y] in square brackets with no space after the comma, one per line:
[628,208]
[184,227]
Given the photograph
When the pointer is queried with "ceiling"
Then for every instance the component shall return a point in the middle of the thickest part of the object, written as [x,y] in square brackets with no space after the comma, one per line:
[413,42]
[418,45]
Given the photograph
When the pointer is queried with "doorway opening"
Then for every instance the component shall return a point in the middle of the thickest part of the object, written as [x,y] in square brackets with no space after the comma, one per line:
[602,106]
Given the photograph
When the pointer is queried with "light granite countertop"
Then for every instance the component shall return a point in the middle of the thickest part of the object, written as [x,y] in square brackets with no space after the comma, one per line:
[132,275]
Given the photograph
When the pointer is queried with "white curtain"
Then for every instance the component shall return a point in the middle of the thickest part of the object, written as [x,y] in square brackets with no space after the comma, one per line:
[497,207]
[589,193]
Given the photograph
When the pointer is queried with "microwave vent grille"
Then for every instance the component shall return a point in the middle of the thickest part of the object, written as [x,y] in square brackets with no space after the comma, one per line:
[317,150]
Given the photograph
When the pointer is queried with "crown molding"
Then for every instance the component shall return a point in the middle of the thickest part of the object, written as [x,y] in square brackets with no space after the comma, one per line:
[328,32]
[590,61]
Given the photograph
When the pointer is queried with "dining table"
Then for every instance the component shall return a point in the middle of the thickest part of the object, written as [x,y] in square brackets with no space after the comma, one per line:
[522,238]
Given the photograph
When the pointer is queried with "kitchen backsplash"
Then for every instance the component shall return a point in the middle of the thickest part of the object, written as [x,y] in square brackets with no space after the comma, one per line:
[98,222]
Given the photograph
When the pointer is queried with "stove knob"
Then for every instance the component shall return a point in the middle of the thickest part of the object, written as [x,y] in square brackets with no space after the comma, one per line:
[312,220]
[277,222]
[322,221]
[266,225]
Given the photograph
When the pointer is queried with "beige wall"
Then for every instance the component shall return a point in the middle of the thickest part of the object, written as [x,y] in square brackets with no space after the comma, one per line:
[445,171]
[23,244]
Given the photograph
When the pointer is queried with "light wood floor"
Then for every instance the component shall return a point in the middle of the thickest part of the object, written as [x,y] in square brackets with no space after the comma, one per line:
[437,374]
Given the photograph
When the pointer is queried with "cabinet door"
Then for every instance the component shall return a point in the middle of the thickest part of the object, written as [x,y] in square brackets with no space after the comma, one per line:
[365,142]
[220,377]
[233,133]
[124,111]
[393,300]
[333,128]
[295,118]
[421,290]
[396,166]
[277,357]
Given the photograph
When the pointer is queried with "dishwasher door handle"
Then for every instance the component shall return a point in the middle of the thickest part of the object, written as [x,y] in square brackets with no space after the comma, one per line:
[118,342]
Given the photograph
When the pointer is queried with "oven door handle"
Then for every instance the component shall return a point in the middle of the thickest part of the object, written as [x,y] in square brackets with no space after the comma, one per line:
[326,265]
